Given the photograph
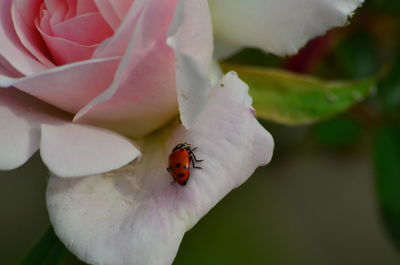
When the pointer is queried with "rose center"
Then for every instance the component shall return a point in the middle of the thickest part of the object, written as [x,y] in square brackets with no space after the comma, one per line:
[71,29]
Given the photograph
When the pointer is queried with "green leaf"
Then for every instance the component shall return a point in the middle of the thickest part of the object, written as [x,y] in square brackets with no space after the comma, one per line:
[387,170]
[295,99]
[48,251]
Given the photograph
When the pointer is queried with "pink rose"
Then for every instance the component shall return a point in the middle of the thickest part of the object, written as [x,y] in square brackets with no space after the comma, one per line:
[96,84]
[98,62]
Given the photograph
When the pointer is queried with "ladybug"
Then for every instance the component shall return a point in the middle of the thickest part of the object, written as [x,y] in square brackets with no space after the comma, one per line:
[179,163]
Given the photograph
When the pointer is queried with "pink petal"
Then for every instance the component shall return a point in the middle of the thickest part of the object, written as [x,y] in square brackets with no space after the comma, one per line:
[156,17]
[54,5]
[7,69]
[108,13]
[23,15]
[11,48]
[134,215]
[20,120]
[125,101]
[43,22]
[65,51]
[57,9]
[80,29]
[114,11]
[68,39]
[73,150]
[145,98]
[84,7]
[68,87]
[72,8]
[121,7]
[142,96]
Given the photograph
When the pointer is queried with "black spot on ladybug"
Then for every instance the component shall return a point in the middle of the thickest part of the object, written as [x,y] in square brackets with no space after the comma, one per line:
[177,165]
[185,167]
[181,175]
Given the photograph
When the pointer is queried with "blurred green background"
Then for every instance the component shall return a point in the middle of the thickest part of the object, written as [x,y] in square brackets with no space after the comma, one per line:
[331,194]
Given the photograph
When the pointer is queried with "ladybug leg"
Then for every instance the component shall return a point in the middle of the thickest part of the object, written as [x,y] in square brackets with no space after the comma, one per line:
[173,182]
[193,162]
[169,169]
[193,156]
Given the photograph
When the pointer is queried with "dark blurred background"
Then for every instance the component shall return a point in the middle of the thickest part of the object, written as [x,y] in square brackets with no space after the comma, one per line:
[329,196]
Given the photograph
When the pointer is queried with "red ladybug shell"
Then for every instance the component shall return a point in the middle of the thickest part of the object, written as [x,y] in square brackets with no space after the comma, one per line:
[179,163]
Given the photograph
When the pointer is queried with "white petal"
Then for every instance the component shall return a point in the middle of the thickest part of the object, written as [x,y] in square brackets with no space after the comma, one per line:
[280,27]
[185,37]
[192,86]
[192,30]
[20,119]
[215,73]
[73,150]
[134,215]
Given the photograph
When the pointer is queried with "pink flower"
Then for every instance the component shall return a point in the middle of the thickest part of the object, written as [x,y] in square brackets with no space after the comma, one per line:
[98,85]
[104,63]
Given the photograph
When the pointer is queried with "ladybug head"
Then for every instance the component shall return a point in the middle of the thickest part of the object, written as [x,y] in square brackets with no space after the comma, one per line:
[182,146]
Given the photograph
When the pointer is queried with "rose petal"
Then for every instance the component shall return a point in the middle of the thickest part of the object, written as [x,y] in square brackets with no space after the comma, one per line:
[72,8]
[84,7]
[113,11]
[23,15]
[134,215]
[280,27]
[121,7]
[11,48]
[76,29]
[192,31]
[108,13]
[56,6]
[58,46]
[68,87]
[191,71]
[20,119]
[57,10]
[151,12]
[73,150]
[76,52]
[135,114]
[7,69]
[192,86]
[117,9]
[215,73]
[142,96]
